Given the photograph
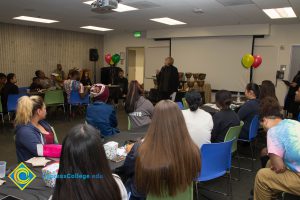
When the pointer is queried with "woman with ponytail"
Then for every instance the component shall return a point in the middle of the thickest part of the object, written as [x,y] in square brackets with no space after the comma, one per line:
[198,121]
[225,118]
[32,132]
[138,108]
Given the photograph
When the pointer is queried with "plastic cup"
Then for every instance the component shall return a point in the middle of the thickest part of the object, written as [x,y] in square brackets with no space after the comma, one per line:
[2,169]
[28,90]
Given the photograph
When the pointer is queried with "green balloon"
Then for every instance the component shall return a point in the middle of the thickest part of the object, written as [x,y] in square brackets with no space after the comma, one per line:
[116,58]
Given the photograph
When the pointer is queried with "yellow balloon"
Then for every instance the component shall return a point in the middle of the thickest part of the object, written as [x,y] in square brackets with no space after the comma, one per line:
[111,62]
[247,60]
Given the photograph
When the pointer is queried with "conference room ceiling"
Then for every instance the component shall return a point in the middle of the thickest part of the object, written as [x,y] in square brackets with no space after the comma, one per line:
[73,14]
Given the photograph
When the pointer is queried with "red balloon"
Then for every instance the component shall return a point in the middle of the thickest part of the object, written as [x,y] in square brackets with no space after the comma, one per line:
[108,58]
[257,61]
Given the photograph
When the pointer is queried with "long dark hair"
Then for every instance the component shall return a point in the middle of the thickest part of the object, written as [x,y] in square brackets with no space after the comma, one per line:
[267,89]
[168,160]
[223,99]
[83,153]
[134,92]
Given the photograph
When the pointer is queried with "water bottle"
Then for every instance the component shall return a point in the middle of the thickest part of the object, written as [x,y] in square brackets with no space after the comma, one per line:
[238,99]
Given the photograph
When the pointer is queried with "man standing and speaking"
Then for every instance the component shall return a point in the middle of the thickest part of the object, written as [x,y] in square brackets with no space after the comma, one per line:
[167,80]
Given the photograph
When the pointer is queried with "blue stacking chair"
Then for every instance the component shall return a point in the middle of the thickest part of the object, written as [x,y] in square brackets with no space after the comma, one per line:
[254,126]
[76,100]
[180,105]
[216,162]
[23,90]
[12,102]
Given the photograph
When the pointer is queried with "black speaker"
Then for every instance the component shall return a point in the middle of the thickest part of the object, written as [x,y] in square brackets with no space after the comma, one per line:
[94,55]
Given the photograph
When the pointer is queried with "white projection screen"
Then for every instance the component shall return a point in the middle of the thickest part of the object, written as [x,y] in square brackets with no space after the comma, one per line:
[218,57]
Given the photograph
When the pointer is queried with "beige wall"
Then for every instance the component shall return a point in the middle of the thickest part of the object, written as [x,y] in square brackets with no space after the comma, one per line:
[155,52]
[24,49]
[279,38]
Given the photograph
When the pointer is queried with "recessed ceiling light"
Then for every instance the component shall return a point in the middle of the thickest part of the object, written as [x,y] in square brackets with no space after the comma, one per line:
[96,28]
[121,7]
[168,21]
[34,19]
[124,8]
[277,13]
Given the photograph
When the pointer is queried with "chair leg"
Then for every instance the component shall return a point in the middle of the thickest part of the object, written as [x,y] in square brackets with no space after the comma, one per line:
[8,116]
[229,187]
[2,117]
[197,194]
[70,110]
[252,156]
[64,108]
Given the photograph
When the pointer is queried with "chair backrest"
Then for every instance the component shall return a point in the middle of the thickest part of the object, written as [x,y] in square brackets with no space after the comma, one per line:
[215,160]
[129,124]
[54,97]
[233,134]
[180,105]
[253,128]
[75,98]
[185,103]
[23,89]
[12,102]
[186,195]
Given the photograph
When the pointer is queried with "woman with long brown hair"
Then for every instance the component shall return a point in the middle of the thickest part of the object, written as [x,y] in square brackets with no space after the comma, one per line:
[138,108]
[167,160]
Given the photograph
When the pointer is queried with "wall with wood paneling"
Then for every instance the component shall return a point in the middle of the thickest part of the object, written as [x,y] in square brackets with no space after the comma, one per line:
[24,49]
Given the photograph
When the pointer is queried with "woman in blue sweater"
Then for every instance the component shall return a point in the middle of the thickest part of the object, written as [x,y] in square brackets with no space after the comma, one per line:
[99,114]
[32,132]
[249,109]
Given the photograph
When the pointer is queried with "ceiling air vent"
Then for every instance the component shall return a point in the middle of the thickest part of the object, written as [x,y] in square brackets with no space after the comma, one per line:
[235,2]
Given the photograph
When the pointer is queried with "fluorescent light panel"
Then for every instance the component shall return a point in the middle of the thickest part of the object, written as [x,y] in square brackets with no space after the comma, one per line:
[121,7]
[278,13]
[168,21]
[34,19]
[96,28]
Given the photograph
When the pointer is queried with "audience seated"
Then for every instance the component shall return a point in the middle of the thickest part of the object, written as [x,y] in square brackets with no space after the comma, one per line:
[138,108]
[99,114]
[283,169]
[61,74]
[267,89]
[31,129]
[9,88]
[54,81]
[225,118]
[73,84]
[198,121]
[167,153]
[85,78]
[44,81]
[2,81]
[123,83]
[83,153]
[249,109]
[35,85]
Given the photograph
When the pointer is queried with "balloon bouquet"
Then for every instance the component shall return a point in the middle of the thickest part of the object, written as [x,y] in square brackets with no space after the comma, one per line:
[112,60]
[251,61]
